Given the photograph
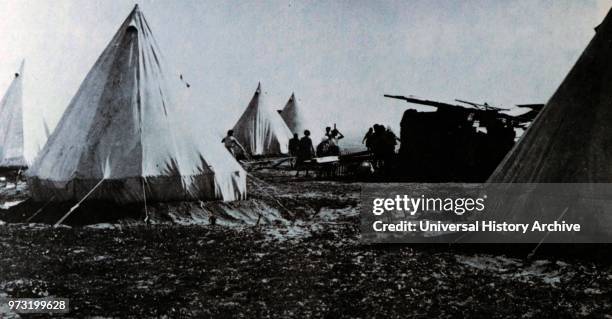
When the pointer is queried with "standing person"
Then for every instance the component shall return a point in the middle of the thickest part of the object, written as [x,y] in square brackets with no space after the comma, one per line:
[334,148]
[232,144]
[328,132]
[336,132]
[305,153]
[378,145]
[390,141]
[367,139]
[294,148]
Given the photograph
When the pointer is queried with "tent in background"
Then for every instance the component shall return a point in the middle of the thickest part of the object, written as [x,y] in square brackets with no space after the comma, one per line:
[298,121]
[11,125]
[123,136]
[293,115]
[261,130]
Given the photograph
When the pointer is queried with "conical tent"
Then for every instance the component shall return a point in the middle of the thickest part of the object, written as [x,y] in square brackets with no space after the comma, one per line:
[11,125]
[123,135]
[298,121]
[571,139]
[293,115]
[569,144]
[261,130]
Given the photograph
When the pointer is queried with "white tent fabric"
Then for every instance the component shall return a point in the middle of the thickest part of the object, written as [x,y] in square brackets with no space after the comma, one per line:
[293,116]
[261,130]
[124,126]
[298,121]
[11,125]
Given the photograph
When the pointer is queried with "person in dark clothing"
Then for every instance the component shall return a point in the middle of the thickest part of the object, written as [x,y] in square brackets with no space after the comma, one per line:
[335,133]
[305,153]
[390,141]
[328,132]
[294,148]
[378,139]
[367,139]
[323,147]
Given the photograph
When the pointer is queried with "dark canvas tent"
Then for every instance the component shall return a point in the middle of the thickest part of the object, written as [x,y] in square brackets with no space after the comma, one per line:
[11,125]
[571,139]
[570,142]
[125,133]
[261,130]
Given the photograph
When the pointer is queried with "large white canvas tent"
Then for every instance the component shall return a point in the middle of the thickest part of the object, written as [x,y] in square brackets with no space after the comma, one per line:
[125,137]
[11,125]
[261,130]
[570,142]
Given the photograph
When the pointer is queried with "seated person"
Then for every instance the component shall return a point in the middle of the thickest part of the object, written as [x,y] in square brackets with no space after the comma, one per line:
[323,147]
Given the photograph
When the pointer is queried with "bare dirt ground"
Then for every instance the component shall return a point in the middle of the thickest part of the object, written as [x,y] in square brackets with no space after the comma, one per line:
[310,265]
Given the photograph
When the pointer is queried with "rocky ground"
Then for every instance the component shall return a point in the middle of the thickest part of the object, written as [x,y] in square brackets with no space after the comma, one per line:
[310,263]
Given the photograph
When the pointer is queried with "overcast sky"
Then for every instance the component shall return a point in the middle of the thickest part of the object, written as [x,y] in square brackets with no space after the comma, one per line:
[339,57]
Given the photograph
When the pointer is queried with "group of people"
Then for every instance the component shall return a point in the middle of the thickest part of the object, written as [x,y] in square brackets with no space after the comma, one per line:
[381,142]
[329,144]
[303,150]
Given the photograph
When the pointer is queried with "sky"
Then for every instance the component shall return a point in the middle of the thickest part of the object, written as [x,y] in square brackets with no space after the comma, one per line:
[339,57]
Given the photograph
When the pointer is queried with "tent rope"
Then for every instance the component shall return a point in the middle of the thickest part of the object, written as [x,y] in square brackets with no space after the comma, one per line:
[40,209]
[257,180]
[144,196]
[532,253]
[78,204]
